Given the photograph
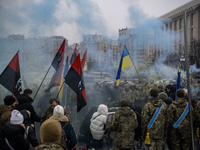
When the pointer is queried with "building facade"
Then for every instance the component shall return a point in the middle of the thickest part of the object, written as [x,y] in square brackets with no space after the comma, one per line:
[174,22]
[101,52]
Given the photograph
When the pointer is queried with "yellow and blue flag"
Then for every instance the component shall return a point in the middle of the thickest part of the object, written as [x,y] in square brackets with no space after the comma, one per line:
[124,63]
[63,86]
[178,83]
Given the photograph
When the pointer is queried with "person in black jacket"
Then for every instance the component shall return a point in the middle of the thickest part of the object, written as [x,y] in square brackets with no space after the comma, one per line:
[29,130]
[13,134]
[25,101]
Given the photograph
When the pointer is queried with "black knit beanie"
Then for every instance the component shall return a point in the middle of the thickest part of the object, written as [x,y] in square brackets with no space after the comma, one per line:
[124,103]
[9,100]
[154,92]
[180,93]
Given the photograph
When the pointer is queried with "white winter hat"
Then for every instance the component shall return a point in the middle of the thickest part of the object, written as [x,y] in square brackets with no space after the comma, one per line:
[16,117]
[58,110]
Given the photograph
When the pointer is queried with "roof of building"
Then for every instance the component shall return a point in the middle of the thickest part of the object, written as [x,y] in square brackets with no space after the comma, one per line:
[179,11]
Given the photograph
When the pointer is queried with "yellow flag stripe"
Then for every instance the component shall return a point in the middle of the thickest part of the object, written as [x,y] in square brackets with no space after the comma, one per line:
[126,62]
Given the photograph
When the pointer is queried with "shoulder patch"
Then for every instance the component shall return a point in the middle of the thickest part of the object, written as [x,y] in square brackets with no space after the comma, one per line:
[142,112]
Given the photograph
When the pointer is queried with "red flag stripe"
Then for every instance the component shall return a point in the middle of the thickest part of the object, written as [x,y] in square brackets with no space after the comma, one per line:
[76,66]
[14,63]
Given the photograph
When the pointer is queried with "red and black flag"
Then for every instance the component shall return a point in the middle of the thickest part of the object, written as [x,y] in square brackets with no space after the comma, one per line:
[57,63]
[10,78]
[74,79]
[83,59]
[74,55]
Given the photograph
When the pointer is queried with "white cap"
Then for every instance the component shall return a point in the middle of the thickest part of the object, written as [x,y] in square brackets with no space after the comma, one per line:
[58,110]
[16,117]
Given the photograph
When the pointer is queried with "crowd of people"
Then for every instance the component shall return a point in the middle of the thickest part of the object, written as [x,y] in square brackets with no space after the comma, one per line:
[155,113]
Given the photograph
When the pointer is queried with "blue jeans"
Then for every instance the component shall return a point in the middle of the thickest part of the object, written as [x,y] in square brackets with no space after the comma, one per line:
[96,143]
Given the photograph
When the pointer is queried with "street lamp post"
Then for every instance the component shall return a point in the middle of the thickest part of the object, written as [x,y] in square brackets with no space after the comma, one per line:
[182,60]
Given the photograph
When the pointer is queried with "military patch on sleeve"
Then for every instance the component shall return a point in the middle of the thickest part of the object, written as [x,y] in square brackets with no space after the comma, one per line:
[142,112]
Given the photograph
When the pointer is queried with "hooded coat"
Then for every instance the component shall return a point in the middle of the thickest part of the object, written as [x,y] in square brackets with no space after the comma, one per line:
[15,136]
[5,114]
[158,129]
[97,122]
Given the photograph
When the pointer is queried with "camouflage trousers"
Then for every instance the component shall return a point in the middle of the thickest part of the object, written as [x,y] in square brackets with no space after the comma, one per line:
[178,143]
[156,144]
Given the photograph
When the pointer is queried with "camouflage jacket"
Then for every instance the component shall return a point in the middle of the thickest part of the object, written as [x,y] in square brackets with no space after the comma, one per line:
[48,113]
[49,146]
[124,122]
[158,129]
[174,112]
[197,114]
[127,95]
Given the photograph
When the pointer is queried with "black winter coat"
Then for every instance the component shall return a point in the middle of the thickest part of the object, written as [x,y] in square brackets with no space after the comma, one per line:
[15,137]
[25,103]
[29,130]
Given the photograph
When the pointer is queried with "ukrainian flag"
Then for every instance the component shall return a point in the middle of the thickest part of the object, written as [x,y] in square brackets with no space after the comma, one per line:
[124,63]
[63,86]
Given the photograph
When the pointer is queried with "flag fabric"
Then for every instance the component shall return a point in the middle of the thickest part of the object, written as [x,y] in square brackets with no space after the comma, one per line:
[57,63]
[124,63]
[74,80]
[74,55]
[178,83]
[83,59]
[63,86]
[10,78]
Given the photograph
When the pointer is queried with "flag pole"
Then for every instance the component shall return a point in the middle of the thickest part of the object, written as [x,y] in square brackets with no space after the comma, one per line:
[188,80]
[42,82]
[60,90]
[137,72]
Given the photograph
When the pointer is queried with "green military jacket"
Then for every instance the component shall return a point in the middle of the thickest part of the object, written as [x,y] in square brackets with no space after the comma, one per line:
[158,129]
[174,112]
[49,146]
[124,122]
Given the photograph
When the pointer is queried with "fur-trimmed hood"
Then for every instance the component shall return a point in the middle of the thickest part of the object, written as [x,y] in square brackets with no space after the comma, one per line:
[62,118]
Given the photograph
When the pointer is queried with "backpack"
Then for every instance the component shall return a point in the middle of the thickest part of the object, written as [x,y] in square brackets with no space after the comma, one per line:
[63,137]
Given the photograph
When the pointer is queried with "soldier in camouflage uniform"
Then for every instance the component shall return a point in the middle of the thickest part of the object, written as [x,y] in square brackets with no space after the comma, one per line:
[124,123]
[140,96]
[49,111]
[132,87]
[197,121]
[180,137]
[126,93]
[157,131]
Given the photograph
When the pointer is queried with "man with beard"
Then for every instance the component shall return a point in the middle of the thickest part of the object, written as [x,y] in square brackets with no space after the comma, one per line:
[49,111]
[6,109]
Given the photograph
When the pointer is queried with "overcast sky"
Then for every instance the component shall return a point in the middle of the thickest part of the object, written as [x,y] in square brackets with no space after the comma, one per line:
[74,18]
